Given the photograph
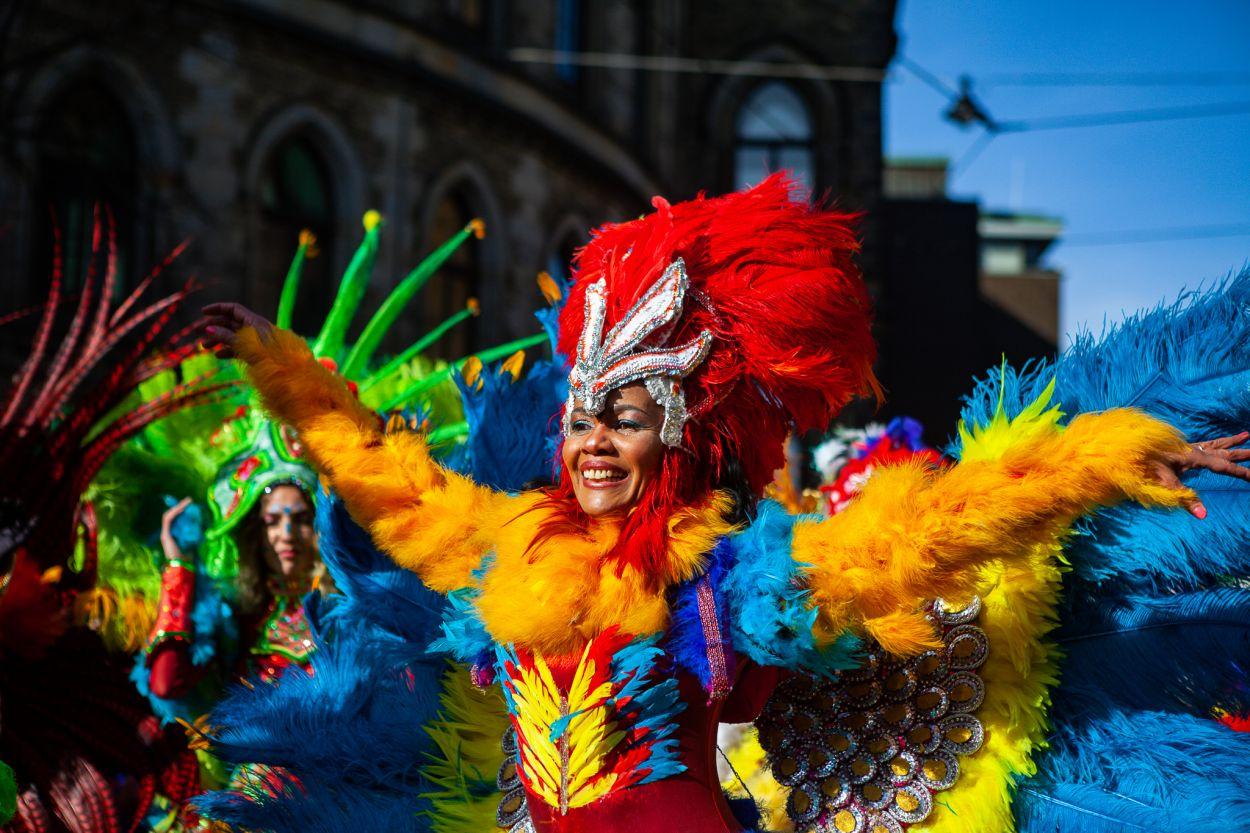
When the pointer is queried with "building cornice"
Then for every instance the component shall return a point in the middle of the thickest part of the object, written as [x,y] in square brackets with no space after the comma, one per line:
[410,50]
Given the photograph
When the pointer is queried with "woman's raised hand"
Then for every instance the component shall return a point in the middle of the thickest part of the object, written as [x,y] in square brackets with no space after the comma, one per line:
[222,323]
[1219,456]
[169,544]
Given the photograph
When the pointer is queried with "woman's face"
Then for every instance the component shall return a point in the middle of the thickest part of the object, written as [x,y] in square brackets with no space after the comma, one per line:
[614,456]
[290,537]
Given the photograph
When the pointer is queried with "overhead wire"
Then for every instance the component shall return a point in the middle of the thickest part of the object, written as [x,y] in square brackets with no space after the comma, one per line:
[701,66]
[1216,78]
[1156,235]
[1105,119]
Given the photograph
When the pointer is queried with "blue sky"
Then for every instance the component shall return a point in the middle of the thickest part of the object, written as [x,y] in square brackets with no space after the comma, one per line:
[1100,180]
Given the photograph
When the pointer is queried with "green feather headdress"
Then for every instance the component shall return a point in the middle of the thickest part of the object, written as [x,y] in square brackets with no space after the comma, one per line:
[228,452]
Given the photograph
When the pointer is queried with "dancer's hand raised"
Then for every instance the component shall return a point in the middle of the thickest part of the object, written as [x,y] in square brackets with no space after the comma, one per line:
[222,323]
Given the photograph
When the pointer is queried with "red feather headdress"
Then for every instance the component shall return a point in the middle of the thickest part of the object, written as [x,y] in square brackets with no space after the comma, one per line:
[773,282]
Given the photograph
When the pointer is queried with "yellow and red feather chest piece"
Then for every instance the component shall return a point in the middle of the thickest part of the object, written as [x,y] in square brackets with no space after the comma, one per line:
[592,724]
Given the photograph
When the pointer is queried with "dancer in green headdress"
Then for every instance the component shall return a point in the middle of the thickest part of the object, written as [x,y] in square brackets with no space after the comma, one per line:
[217,589]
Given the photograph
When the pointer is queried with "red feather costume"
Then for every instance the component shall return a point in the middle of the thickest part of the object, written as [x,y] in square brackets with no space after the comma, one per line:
[87,754]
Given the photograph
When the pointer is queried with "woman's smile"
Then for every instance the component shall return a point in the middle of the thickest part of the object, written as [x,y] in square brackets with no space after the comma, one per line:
[600,474]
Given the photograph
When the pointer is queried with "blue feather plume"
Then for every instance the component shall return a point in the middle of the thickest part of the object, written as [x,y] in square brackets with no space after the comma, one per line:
[372,589]
[764,588]
[685,640]
[1181,653]
[1154,635]
[514,426]
[1128,771]
[314,806]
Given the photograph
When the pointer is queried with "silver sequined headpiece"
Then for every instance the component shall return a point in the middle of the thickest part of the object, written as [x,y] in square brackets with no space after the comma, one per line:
[606,363]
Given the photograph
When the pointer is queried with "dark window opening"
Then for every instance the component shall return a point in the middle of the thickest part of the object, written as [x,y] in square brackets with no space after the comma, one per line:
[296,193]
[86,157]
[458,280]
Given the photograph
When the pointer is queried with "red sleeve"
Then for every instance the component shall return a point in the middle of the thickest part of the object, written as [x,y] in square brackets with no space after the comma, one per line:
[171,674]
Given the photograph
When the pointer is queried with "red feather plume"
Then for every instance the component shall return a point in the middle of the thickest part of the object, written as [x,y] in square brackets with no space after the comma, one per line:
[774,281]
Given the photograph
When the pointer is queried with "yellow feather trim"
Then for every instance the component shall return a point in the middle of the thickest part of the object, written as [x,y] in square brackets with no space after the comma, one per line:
[914,533]
[560,596]
[124,622]
[467,735]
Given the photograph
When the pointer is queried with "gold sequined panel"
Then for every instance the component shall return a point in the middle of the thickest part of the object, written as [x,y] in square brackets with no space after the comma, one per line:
[866,751]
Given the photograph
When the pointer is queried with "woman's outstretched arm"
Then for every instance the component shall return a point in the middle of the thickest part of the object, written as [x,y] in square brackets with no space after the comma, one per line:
[430,520]
[916,532]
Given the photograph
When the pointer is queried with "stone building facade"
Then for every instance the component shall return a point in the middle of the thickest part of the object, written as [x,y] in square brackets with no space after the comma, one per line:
[237,122]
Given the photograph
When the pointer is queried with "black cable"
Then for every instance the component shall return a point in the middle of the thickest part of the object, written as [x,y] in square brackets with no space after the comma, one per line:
[929,78]
[1216,78]
[1197,111]
[1157,235]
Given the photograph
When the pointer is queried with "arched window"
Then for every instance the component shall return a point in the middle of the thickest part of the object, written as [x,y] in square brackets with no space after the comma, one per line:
[295,192]
[772,132]
[459,279]
[86,156]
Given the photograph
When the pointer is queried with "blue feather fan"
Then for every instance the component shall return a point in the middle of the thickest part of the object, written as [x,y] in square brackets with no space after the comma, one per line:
[1127,771]
[350,737]
[1182,653]
[1154,625]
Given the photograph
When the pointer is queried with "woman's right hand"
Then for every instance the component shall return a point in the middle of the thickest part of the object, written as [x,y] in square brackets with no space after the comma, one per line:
[169,544]
[222,323]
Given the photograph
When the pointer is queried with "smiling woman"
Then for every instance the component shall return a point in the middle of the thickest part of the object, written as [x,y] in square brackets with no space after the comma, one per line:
[652,593]
[615,456]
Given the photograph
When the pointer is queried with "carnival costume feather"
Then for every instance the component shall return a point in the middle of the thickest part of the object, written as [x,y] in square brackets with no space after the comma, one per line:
[771,284]
[85,754]
[1154,631]
[1151,634]
[382,731]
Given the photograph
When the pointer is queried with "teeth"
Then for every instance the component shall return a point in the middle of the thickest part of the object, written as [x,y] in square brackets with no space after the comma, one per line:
[602,474]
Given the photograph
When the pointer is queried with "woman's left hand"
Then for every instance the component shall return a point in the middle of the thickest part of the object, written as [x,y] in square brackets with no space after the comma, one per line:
[1218,456]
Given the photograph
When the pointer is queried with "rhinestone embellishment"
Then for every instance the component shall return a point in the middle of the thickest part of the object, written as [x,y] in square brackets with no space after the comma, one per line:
[513,813]
[605,363]
[866,751]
